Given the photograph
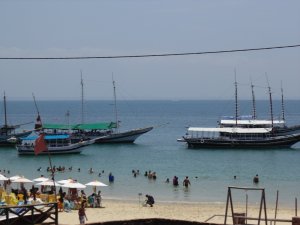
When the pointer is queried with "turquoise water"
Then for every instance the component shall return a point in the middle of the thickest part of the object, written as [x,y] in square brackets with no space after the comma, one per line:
[210,171]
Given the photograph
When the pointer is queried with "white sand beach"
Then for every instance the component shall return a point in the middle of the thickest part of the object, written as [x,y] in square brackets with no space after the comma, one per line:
[115,210]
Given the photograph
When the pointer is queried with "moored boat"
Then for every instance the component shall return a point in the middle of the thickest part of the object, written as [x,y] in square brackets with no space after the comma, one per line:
[9,134]
[56,144]
[244,131]
[123,137]
[237,138]
[100,132]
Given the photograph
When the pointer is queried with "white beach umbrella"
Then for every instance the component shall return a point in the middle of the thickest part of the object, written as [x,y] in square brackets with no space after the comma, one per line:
[96,183]
[14,177]
[48,183]
[40,179]
[65,181]
[76,185]
[22,180]
[2,177]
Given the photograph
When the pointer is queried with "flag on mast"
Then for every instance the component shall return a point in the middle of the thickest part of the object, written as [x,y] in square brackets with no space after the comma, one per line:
[40,144]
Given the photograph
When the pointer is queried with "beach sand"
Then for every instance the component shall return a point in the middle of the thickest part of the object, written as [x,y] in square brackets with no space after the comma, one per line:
[116,210]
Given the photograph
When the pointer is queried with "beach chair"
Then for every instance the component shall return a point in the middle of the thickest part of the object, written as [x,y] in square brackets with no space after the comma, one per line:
[2,195]
[44,197]
[52,198]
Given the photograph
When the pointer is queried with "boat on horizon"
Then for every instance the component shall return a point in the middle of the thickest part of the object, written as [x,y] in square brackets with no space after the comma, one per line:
[244,131]
[9,135]
[56,144]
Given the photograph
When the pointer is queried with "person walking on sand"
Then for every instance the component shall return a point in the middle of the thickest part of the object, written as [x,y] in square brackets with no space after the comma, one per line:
[81,214]
[186,182]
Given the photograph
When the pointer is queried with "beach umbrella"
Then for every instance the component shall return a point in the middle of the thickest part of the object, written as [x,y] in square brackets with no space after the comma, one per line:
[96,183]
[65,181]
[48,183]
[74,184]
[14,177]
[2,177]
[40,179]
[22,180]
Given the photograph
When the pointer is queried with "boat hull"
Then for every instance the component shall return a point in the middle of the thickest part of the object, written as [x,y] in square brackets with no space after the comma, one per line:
[123,137]
[67,149]
[272,142]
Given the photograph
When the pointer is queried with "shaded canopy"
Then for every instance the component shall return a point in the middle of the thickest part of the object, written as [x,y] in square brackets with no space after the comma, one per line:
[85,126]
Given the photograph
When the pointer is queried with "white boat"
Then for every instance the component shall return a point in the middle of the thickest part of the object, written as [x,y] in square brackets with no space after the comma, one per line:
[56,144]
[244,131]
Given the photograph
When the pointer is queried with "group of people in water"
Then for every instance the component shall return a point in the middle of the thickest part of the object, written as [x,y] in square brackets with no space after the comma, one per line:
[186,182]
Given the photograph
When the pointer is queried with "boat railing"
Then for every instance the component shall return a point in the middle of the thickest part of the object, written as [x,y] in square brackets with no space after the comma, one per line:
[224,136]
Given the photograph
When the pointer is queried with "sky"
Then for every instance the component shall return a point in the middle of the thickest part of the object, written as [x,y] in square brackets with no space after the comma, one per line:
[65,28]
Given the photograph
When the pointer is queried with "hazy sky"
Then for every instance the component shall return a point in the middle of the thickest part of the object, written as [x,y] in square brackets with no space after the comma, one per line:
[62,28]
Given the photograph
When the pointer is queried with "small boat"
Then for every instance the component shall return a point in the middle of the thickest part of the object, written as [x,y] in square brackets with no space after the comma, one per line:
[9,135]
[244,131]
[56,144]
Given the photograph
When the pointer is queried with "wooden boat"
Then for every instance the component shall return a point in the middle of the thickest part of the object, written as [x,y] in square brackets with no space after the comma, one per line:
[104,132]
[57,144]
[114,135]
[122,137]
[237,138]
[243,132]
[99,132]
[9,135]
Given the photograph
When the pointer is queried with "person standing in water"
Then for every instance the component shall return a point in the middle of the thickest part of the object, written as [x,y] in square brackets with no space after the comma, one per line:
[186,182]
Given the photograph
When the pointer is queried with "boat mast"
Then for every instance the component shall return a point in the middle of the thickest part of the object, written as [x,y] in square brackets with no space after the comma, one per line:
[253,101]
[236,99]
[115,103]
[82,99]
[69,126]
[5,114]
[38,124]
[271,103]
[282,104]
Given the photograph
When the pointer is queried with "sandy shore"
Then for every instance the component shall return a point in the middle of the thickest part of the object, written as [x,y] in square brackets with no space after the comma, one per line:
[114,210]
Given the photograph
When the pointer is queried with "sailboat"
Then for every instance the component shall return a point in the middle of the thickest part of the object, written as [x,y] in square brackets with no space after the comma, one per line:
[103,132]
[9,135]
[112,134]
[245,132]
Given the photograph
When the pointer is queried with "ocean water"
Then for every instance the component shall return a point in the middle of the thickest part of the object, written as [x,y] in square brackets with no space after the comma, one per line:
[211,171]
